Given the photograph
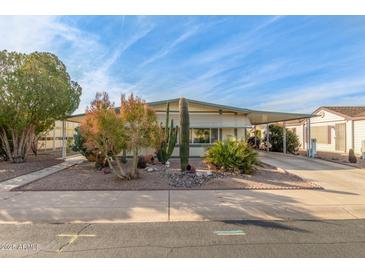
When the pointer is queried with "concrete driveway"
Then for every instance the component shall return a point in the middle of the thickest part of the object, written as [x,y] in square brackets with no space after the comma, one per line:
[343,197]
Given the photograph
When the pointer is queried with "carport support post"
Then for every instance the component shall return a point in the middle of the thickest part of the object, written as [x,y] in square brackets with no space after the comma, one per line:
[255,136]
[308,137]
[284,138]
[267,137]
[63,139]
[54,139]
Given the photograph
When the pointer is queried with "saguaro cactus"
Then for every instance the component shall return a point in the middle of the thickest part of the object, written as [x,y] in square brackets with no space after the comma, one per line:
[184,133]
[169,139]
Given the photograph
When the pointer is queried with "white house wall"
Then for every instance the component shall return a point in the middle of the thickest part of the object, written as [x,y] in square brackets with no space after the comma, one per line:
[328,117]
[331,119]
[359,129]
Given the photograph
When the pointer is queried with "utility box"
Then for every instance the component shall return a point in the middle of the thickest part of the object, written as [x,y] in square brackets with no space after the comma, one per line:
[313,148]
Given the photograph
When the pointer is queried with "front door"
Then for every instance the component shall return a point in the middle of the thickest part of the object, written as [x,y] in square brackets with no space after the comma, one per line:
[340,130]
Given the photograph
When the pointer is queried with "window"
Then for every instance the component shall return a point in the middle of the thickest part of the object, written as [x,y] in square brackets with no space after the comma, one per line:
[322,134]
[201,135]
[213,135]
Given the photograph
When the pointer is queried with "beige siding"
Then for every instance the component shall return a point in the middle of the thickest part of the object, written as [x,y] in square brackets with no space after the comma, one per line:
[227,133]
[241,133]
[46,139]
[359,128]
[209,120]
[349,143]
[330,120]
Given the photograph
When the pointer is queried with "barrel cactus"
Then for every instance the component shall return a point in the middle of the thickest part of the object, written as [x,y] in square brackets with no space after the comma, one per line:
[184,133]
[169,139]
[352,157]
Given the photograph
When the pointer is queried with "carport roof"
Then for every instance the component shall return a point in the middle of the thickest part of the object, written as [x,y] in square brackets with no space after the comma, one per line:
[256,117]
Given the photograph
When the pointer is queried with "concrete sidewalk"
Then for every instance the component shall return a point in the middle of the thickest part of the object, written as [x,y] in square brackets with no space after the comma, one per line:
[39,174]
[342,198]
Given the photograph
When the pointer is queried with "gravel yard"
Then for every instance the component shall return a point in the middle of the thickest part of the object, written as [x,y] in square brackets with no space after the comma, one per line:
[85,177]
[10,170]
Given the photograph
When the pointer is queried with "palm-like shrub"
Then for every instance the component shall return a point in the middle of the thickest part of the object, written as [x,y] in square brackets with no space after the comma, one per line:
[231,156]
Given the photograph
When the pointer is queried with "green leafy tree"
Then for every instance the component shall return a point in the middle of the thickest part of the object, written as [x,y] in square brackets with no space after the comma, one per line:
[276,139]
[35,91]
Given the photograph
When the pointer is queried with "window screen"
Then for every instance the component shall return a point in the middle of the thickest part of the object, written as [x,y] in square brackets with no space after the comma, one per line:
[322,134]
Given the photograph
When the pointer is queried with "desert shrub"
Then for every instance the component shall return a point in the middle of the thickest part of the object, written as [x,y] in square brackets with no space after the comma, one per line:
[103,131]
[231,156]
[78,144]
[254,140]
[110,133]
[276,139]
[352,157]
[254,144]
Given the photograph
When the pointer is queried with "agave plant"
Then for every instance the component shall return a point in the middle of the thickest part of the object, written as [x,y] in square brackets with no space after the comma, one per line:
[232,156]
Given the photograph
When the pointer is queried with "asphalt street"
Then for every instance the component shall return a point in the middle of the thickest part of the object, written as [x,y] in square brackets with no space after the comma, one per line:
[344,238]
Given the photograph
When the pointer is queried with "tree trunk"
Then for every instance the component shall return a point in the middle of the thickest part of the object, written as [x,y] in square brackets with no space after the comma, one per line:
[121,169]
[18,151]
[5,143]
[120,174]
[134,172]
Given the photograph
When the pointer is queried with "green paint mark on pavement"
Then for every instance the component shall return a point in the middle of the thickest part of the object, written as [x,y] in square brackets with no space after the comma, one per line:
[229,232]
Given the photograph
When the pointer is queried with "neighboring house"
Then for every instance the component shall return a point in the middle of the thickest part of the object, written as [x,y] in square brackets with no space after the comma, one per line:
[211,122]
[335,128]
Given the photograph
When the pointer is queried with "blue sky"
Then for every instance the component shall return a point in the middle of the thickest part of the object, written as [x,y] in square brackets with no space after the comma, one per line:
[290,63]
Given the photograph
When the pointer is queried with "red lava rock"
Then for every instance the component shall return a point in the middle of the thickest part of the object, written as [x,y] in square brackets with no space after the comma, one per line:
[107,170]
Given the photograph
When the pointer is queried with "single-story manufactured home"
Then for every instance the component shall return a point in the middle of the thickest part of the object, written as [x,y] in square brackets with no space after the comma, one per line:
[337,129]
[210,122]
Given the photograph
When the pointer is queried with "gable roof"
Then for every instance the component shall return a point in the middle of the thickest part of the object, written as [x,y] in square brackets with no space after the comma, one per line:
[256,117]
[223,107]
[349,112]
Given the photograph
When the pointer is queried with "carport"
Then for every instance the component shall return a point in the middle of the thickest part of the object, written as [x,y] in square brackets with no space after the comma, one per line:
[269,117]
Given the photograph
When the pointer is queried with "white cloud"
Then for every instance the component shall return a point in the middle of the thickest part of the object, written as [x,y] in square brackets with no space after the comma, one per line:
[309,97]
[86,58]
[166,50]
[39,33]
